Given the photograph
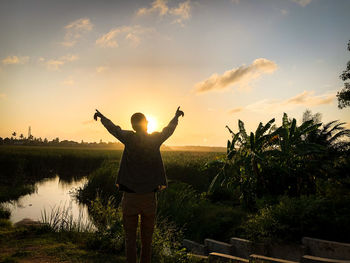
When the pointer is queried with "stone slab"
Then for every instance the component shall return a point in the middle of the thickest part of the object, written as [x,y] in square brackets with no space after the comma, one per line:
[215,257]
[263,259]
[327,249]
[292,252]
[218,246]
[194,247]
[313,259]
[241,247]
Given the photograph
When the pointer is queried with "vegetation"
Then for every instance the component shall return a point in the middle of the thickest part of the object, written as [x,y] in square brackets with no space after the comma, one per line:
[276,183]
[344,94]
[291,178]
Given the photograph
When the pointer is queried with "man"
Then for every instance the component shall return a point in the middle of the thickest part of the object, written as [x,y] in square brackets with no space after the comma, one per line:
[141,174]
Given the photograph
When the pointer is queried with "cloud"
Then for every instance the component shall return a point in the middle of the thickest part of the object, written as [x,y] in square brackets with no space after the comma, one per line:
[308,99]
[180,13]
[305,99]
[56,64]
[237,76]
[303,3]
[75,30]
[88,122]
[284,12]
[69,58]
[15,60]
[235,110]
[235,1]
[69,82]
[101,69]
[157,6]
[130,34]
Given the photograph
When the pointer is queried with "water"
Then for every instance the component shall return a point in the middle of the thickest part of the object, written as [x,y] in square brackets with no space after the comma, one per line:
[49,193]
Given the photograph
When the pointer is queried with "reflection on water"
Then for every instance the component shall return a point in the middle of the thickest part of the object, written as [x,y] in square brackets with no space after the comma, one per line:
[49,193]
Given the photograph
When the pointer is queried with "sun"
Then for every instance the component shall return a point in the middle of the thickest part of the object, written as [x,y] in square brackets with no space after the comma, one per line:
[152,124]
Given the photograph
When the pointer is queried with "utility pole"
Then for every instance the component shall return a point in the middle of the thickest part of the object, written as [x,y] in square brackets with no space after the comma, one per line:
[29,133]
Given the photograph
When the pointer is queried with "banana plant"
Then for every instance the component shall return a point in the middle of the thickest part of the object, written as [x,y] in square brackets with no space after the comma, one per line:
[243,160]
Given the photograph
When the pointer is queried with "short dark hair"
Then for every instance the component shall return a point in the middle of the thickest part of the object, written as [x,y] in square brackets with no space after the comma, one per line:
[136,119]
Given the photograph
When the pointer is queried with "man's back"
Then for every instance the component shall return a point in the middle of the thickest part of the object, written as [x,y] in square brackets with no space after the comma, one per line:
[141,169]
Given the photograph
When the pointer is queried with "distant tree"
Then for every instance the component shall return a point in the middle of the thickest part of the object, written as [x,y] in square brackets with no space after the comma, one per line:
[344,95]
[14,134]
[21,136]
[45,140]
[308,116]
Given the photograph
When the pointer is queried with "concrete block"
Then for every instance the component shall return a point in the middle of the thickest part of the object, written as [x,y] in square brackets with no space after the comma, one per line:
[194,247]
[241,247]
[263,259]
[327,249]
[292,252]
[313,259]
[215,257]
[218,246]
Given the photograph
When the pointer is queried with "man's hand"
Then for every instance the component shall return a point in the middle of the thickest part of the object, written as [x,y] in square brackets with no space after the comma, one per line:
[97,114]
[179,112]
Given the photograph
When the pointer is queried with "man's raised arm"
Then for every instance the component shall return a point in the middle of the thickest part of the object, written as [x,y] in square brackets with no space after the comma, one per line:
[169,130]
[113,129]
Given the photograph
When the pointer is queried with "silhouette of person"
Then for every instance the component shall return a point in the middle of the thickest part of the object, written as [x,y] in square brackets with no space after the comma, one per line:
[141,174]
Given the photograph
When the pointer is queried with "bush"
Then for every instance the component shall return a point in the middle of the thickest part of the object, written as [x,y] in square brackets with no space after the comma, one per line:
[101,183]
[292,218]
[197,215]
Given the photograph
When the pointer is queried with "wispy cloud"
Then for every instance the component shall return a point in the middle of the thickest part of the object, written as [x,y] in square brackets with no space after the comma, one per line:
[284,12]
[160,7]
[305,99]
[69,82]
[303,3]
[56,64]
[101,69]
[130,34]
[15,60]
[235,110]
[75,30]
[237,76]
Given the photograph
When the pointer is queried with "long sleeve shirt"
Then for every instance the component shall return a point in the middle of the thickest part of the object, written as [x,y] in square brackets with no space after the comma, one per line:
[141,168]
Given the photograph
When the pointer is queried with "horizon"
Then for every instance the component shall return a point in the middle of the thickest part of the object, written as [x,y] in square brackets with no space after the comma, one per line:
[220,61]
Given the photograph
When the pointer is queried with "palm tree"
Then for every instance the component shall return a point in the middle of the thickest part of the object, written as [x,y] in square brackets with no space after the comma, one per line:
[331,135]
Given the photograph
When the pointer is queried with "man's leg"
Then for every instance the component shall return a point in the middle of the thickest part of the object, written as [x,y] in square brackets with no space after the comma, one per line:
[130,222]
[147,226]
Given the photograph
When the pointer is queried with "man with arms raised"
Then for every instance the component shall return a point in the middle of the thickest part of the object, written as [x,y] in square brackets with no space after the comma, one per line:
[141,174]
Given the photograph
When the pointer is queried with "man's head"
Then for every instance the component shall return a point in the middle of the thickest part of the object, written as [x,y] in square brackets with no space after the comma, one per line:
[139,122]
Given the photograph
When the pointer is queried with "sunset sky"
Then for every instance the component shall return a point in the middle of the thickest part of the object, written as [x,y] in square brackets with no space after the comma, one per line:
[219,60]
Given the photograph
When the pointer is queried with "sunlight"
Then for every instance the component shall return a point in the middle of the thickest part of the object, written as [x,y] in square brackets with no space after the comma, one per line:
[152,124]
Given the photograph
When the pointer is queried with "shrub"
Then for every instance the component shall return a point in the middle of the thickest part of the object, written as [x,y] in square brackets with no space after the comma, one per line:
[292,218]
[197,215]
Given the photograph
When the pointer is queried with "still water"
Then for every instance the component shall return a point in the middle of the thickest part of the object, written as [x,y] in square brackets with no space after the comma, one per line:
[49,194]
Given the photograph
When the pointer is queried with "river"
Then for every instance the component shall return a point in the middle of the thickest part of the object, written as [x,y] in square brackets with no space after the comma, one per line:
[50,193]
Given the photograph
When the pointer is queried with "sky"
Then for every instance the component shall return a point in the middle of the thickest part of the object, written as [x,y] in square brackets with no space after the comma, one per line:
[221,61]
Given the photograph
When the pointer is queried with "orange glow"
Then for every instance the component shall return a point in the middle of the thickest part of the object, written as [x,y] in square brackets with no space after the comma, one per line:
[152,124]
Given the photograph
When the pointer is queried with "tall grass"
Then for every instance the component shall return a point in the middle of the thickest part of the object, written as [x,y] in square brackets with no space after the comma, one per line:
[61,219]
